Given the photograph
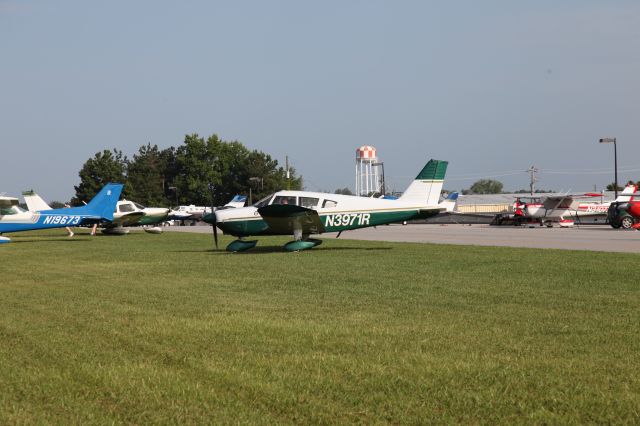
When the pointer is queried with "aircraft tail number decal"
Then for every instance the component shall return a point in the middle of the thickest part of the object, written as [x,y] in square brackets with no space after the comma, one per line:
[61,220]
[347,219]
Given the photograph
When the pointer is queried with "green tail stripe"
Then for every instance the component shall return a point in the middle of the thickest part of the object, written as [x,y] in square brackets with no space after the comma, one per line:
[434,170]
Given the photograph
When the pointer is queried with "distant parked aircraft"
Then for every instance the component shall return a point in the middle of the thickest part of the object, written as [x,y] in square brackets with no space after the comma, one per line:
[100,209]
[197,212]
[126,213]
[566,209]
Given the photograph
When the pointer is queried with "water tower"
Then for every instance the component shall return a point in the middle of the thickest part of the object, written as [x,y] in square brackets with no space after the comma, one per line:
[366,171]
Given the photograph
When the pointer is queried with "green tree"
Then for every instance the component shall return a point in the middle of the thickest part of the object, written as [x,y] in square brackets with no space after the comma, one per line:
[146,174]
[612,187]
[343,191]
[169,174]
[106,166]
[260,167]
[230,167]
[486,186]
[195,160]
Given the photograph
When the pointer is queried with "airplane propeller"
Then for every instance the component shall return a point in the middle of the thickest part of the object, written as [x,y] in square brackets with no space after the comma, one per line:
[214,220]
[215,229]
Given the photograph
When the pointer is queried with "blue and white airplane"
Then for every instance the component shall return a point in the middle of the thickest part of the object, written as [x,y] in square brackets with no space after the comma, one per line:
[16,219]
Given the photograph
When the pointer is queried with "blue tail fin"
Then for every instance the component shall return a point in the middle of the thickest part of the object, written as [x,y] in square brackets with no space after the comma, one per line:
[450,203]
[104,203]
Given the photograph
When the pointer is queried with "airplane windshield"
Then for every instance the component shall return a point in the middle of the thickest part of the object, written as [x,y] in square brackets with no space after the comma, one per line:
[529,200]
[264,201]
[139,206]
[4,211]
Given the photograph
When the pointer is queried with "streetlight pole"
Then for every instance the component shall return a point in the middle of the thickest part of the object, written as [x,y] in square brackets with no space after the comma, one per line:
[175,190]
[252,180]
[615,161]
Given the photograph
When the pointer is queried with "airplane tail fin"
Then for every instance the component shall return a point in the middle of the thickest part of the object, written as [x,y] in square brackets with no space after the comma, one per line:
[628,194]
[104,203]
[237,201]
[426,187]
[34,202]
[450,203]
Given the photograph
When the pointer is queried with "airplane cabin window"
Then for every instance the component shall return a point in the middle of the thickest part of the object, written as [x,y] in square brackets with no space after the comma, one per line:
[6,211]
[309,202]
[125,208]
[329,203]
[284,199]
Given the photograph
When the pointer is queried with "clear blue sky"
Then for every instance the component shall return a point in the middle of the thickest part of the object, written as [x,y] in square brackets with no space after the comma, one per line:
[493,86]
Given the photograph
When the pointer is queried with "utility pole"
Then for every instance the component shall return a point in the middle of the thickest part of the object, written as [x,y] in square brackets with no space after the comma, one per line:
[286,162]
[615,161]
[532,172]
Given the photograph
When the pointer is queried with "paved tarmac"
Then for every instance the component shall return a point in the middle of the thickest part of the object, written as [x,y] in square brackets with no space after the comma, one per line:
[594,238]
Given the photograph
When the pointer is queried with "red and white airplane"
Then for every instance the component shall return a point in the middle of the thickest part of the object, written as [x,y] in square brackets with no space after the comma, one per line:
[566,209]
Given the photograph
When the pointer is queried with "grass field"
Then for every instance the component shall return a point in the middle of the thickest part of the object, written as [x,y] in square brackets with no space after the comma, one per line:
[160,329]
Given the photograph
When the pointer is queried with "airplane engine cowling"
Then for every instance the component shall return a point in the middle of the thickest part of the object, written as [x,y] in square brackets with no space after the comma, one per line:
[634,209]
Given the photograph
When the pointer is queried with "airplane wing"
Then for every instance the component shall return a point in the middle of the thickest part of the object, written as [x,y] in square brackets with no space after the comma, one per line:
[34,202]
[8,202]
[286,219]
[553,202]
[566,201]
[128,219]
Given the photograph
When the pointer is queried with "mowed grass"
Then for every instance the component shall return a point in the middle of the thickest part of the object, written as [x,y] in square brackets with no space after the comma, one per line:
[146,329]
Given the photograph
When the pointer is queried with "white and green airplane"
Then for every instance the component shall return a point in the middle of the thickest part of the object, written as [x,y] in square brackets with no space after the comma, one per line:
[127,213]
[303,213]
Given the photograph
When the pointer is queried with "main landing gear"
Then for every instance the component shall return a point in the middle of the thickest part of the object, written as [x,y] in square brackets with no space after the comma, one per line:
[301,241]
[299,245]
[241,245]
[295,245]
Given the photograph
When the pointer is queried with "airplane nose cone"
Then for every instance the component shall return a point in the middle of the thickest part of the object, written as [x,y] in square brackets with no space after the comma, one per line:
[209,217]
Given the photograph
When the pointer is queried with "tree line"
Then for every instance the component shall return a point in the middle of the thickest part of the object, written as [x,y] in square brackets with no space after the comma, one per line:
[182,175]
[490,186]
